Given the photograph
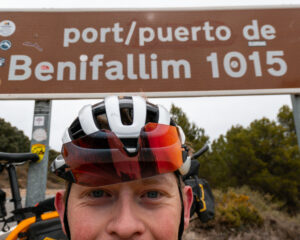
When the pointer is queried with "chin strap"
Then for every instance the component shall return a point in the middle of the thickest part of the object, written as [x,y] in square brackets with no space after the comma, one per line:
[181,225]
[66,223]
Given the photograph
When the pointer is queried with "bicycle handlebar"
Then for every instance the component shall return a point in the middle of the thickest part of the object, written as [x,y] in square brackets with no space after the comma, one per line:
[18,157]
[200,152]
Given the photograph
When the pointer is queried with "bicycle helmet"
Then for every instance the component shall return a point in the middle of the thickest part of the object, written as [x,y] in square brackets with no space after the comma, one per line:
[121,139]
[118,140]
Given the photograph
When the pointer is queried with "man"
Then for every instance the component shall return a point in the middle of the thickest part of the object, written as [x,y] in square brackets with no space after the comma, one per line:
[123,159]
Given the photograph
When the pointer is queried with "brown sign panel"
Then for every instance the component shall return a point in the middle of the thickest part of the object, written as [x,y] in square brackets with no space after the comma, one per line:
[161,53]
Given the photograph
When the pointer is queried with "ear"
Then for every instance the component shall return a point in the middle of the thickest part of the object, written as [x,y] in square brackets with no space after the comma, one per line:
[187,202]
[60,207]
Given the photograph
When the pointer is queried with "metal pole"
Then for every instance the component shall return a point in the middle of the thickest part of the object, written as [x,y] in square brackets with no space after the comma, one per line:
[37,173]
[296,113]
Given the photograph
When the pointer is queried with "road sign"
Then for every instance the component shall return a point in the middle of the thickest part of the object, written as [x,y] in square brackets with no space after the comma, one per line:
[91,53]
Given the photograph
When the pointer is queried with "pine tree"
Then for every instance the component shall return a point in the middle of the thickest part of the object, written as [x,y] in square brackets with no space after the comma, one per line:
[12,139]
[264,156]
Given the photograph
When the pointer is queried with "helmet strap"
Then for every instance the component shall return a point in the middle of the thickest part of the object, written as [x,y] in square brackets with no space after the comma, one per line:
[66,223]
[181,225]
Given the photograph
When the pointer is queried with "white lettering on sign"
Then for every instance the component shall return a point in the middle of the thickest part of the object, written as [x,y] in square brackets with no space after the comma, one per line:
[183,34]
[90,35]
[235,64]
[112,70]
[145,35]
[43,70]
[253,32]
[24,67]
[151,66]
[206,32]
[71,35]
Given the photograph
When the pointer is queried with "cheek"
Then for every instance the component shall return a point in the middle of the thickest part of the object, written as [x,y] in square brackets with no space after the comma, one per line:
[85,223]
[164,224]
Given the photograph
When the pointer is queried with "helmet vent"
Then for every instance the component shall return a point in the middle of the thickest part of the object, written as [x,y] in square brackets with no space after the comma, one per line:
[102,122]
[75,130]
[152,113]
[130,143]
[126,115]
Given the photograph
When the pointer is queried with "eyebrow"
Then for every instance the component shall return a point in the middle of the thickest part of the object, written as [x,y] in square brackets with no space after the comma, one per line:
[162,179]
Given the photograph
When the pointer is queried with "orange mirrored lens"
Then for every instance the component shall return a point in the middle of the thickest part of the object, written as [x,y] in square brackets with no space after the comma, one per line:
[166,146]
[100,159]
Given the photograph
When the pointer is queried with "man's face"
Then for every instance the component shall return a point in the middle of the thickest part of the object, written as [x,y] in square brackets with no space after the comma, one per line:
[143,209]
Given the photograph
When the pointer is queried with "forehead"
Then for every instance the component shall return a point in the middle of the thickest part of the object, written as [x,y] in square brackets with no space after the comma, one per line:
[167,179]
[163,180]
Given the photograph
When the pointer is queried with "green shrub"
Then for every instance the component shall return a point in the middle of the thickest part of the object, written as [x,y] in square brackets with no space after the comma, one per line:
[242,213]
[235,211]
[265,156]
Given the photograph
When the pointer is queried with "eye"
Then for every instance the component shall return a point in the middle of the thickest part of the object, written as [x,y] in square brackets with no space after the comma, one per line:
[98,193]
[152,194]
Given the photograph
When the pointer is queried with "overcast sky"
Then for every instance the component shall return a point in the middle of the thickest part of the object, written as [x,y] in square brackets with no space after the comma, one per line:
[215,114]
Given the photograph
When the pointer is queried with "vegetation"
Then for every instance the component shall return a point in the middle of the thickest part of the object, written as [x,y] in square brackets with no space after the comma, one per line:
[234,211]
[263,156]
[244,214]
[12,139]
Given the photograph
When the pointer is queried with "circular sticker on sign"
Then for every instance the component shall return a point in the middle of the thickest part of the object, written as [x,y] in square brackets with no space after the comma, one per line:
[39,149]
[39,134]
[5,45]
[7,28]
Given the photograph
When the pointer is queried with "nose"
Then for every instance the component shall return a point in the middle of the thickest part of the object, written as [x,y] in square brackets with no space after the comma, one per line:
[125,222]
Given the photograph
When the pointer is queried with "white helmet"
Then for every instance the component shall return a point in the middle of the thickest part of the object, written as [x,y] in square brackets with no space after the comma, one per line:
[121,139]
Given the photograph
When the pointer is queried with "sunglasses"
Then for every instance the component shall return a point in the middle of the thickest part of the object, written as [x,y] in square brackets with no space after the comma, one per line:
[101,158]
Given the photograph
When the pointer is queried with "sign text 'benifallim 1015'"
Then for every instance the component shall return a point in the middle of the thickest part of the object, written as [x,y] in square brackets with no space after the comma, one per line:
[150,51]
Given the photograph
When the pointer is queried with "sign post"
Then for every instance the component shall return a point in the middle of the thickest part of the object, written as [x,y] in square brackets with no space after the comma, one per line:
[296,114]
[37,173]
